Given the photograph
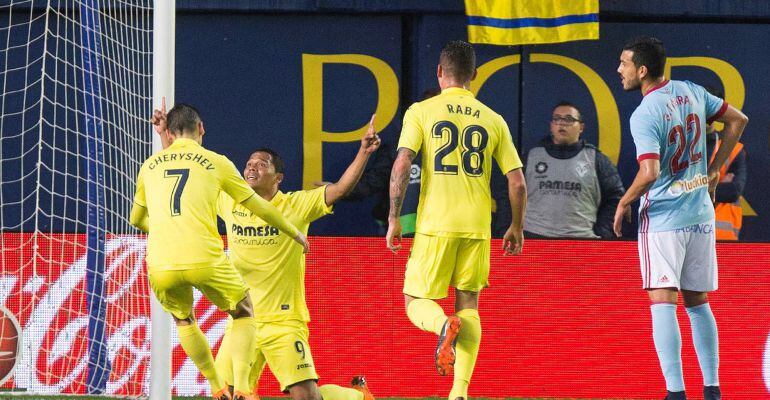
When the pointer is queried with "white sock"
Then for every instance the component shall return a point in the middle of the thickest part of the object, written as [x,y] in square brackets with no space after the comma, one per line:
[668,343]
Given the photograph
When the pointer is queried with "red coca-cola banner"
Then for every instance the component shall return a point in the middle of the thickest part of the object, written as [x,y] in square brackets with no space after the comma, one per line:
[566,319]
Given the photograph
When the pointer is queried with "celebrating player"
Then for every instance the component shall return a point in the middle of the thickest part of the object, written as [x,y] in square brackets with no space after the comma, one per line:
[178,189]
[458,136]
[274,269]
[676,217]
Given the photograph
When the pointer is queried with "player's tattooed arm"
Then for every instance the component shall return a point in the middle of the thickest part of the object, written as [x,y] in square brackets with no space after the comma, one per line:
[399,180]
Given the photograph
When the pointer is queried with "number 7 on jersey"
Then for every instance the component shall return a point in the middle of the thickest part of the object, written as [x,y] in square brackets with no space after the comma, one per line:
[180,180]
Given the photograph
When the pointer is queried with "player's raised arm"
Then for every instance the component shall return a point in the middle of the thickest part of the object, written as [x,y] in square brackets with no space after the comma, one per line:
[735,122]
[369,144]
[160,124]
[399,180]
[649,170]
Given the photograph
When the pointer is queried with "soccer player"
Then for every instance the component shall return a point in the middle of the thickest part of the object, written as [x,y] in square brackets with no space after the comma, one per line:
[274,270]
[458,137]
[676,216]
[175,202]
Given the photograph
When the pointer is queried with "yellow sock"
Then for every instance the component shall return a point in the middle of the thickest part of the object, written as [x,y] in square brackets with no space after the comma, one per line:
[427,315]
[256,371]
[467,350]
[334,392]
[244,344]
[224,359]
[197,348]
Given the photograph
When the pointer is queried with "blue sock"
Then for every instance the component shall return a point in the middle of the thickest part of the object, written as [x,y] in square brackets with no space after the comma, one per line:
[668,343]
[706,341]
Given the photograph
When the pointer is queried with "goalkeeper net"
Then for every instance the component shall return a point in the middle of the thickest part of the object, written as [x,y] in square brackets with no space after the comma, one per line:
[76,82]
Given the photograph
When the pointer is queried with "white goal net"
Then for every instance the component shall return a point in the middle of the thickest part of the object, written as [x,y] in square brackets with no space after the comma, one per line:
[76,82]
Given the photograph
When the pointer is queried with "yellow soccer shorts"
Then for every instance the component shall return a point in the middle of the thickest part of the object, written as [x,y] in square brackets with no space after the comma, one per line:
[283,345]
[221,284]
[436,262]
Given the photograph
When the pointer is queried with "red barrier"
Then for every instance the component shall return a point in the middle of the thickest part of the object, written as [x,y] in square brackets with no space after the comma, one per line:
[566,319]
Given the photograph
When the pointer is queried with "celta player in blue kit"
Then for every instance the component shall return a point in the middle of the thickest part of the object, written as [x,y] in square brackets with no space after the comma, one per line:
[675,185]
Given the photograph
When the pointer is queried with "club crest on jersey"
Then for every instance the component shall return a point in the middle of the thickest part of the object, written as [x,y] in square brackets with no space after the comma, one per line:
[689,185]
[541,167]
[582,169]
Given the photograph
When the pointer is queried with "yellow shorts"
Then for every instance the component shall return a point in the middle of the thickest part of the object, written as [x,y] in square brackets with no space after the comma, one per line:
[221,284]
[283,345]
[436,262]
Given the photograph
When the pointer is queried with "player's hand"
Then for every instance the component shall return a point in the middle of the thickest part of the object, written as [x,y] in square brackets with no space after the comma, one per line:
[513,241]
[371,140]
[713,182]
[302,240]
[393,237]
[159,118]
[728,178]
[622,212]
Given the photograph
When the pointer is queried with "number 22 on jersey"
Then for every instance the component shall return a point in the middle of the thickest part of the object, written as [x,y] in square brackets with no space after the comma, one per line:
[685,141]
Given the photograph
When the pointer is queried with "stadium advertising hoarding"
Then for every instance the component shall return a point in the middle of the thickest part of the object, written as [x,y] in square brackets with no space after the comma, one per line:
[566,319]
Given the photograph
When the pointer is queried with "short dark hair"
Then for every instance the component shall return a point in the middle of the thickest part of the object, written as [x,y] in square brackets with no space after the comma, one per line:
[648,51]
[715,91]
[565,103]
[458,60]
[183,118]
[274,157]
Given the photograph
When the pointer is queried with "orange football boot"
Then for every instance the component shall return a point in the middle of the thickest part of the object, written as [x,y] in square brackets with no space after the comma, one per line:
[223,394]
[359,383]
[445,349]
[244,396]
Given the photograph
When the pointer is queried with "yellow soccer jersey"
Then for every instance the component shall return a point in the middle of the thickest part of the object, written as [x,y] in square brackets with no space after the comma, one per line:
[271,263]
[179,187]
[458,136]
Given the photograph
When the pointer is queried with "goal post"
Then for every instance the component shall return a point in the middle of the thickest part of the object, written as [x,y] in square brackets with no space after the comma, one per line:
[163,62]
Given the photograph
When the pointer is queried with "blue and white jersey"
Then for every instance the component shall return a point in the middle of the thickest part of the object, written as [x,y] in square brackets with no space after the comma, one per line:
[670,125]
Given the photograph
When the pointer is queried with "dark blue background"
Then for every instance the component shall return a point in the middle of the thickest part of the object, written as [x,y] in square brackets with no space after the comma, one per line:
[244,71]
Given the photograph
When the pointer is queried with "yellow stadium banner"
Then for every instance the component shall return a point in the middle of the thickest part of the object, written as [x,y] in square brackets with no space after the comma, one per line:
[514,22]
